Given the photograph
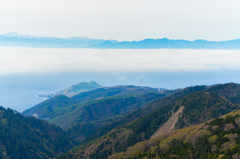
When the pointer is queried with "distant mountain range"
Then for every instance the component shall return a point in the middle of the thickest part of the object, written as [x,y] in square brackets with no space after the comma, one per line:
[15,39]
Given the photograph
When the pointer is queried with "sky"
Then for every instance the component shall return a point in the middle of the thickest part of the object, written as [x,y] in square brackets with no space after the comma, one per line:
[123,19]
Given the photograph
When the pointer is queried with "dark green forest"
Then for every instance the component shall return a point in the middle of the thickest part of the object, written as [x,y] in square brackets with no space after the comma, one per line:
[28,137]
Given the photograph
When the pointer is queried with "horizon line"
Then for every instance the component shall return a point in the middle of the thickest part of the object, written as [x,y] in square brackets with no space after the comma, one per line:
[16,34]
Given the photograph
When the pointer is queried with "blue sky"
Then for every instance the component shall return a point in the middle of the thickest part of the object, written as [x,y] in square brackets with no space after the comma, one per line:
[123,19]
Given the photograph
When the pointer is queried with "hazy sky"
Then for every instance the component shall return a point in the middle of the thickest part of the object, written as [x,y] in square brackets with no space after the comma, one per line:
[123,19]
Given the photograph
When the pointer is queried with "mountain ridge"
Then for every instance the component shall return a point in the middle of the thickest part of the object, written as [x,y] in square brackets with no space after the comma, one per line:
[87,111]
[199,106]
[15,39]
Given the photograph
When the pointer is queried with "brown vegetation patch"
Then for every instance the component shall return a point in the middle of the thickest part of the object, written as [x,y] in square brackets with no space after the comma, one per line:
[232,137]
[169,126]
[228,127]
[195,135]
[161,143]
[121,136]
[227,145]
[236,156]
[214,148]
[215,127]
[206,127]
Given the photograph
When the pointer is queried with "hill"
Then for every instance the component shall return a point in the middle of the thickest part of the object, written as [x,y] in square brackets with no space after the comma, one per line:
[130,117]
[92,109]
[14,39]
[62,105]
[188,109]
[78,88]
[28,137]
[218,138]
[53,107]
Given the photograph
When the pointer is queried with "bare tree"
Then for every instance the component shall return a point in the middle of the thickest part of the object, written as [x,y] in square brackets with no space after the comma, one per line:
[5,156]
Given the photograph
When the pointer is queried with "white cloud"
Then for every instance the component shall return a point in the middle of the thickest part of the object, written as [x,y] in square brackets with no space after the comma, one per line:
[18,60]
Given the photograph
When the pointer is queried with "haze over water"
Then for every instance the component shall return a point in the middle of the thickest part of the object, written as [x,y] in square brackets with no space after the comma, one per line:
[28,72]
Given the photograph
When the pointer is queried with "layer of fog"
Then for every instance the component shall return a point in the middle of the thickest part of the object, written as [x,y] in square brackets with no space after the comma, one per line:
[25,61]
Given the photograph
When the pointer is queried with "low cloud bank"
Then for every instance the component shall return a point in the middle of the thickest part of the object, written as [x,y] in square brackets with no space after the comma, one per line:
[18,60]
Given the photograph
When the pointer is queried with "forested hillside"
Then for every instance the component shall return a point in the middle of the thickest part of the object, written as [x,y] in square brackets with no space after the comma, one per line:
[82,114]
[218,138]
[197,106]
[28,137]
[130,117]
[57,106]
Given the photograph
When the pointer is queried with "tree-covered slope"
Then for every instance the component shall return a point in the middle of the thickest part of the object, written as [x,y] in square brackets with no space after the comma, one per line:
[62,105]
[50,108]
[101,113]
[103,109]
[85,112]
[119,139]
[218,138]
[130,117]
[28,137]
[230,90]
[198,107]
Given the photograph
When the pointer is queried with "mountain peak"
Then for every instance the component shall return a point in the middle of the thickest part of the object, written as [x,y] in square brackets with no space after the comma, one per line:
[78,88]
[15,34]
[11,34]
